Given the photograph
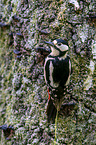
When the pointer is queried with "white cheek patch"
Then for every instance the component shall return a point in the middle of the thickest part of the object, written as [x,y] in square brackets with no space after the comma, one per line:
[62,47]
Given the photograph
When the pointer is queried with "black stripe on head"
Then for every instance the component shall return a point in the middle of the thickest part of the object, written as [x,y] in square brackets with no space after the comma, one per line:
[62,41]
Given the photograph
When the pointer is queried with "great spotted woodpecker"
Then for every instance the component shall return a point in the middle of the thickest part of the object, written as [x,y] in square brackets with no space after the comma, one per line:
[57,71]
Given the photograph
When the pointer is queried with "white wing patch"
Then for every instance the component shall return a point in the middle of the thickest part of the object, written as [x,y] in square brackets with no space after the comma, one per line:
[46,70]
[68,80]
[51,69]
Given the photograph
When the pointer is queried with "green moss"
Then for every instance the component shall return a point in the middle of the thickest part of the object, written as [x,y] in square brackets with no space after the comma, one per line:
[23,91]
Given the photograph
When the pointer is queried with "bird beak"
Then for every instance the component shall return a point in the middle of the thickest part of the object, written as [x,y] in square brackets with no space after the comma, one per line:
[49,43]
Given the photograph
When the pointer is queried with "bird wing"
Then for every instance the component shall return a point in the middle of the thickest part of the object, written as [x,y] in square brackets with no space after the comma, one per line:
[61,70]
[56,71]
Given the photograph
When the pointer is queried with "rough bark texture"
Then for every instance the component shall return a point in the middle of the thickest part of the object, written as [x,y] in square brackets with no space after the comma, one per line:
[24,25]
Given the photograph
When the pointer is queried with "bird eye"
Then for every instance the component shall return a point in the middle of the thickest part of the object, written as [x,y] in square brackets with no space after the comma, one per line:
[59,44]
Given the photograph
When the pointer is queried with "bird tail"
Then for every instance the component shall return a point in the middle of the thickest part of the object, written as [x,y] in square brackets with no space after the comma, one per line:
[51,111]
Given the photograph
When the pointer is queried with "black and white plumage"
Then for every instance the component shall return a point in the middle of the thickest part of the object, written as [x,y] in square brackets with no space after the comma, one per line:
[57,71]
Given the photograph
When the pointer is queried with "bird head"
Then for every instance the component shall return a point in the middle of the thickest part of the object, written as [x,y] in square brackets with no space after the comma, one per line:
[59,47]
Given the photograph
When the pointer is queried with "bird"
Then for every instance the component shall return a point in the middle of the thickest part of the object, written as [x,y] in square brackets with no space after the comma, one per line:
[57,72]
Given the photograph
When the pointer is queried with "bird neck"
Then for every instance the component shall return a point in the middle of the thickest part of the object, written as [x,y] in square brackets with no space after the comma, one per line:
[58,53]
[54,52]
[61,56]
